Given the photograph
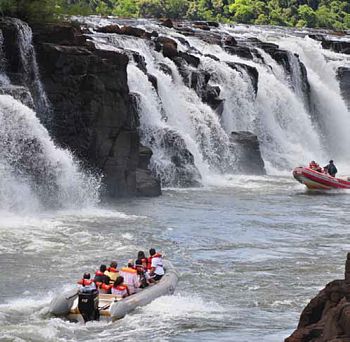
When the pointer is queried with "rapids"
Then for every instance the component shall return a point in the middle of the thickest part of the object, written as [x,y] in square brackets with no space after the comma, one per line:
[250,254]
[251,250]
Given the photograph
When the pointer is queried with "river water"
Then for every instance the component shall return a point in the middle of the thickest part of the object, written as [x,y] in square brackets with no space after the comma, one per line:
[251,254]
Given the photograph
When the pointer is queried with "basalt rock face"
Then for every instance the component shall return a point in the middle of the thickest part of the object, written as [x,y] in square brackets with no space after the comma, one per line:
[344,79]
[92,111]
[247,149]
[327,316]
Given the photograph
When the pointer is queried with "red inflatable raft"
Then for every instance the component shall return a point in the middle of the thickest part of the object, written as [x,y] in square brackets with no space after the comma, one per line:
[319,180]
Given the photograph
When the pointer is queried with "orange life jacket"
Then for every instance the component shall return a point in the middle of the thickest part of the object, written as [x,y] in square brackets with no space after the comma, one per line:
[85,282]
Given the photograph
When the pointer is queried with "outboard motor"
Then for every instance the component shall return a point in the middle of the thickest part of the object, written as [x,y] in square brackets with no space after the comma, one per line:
[88,305]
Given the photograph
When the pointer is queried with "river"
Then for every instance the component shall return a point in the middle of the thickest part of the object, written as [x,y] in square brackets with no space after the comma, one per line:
[251,254]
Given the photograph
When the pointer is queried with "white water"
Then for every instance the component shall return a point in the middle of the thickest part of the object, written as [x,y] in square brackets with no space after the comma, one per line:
[31,70]
[34,173]
[291,129]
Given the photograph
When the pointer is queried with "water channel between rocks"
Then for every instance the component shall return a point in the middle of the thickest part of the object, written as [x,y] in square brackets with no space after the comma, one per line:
[251,255]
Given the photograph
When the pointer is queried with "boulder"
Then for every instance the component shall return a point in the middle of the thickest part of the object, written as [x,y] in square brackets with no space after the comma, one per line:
[167,23]
[327,316]
[109,29]
[182,172]
[132,31]
[241,51]
[167,45]
[247,149]
[146,183]
[229,41]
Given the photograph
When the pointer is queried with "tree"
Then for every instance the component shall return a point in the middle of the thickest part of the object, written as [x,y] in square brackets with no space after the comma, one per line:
[307,15]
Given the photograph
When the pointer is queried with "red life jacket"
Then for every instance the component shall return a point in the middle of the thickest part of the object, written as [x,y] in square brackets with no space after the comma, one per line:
[85,282]
[112,269]
[103,286]
[99,273]
[149,260]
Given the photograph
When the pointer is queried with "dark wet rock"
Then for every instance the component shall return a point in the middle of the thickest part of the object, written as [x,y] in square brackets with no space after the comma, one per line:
[93,112]
[166,69]
[109,29]
[62,34]
[241,51]
[229,41]
[247,149]
[251,71]
[343,75]
[209,37]
[190,59]
[20,93]
[184,172]
[211,96]
[140,61]
[186,31]
[153,80]
[167,45]
[213,23]
[146,183]
[201,26]
[327,316]
[132,31]
[337,45]
[168,23]
[212,57]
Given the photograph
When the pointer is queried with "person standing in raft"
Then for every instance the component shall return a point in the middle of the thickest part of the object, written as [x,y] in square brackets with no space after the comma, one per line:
[331,169]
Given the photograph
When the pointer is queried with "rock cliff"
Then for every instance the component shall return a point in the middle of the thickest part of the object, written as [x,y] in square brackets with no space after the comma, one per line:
[91,108]
[327,316]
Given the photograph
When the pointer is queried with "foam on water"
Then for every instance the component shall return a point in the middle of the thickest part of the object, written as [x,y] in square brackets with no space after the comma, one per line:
[34,172]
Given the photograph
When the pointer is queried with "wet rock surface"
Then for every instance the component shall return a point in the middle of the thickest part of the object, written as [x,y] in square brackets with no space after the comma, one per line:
[92,112]
[327,316]
[247,148]
[344,79]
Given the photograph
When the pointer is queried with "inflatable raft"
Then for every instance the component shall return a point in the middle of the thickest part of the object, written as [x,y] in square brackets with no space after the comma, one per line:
[83,307]
[319,180]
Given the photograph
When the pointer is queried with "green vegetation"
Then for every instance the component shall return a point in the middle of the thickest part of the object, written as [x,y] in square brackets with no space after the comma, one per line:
[333,14]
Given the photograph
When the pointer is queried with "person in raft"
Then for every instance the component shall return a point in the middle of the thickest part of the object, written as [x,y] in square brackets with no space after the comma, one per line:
[119,288]
[130,277]
[86,284]
[112,272]
[157,270]
[331,169]
[315,166]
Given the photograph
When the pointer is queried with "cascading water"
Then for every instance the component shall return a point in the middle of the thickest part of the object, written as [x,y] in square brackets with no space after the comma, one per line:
[31,71]
[34,174]
[295,109]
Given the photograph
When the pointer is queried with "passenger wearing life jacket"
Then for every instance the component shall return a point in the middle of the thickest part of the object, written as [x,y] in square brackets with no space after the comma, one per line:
[130,277]
[141,256]
[86,284]
[144,277]
[112,272]
[315,166]
[102,280]
[157,271]
[119,288]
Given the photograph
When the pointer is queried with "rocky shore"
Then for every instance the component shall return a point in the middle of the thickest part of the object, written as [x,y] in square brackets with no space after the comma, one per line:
[327,316]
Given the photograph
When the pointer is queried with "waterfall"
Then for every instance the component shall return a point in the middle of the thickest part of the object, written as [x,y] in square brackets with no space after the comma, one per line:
[295,107]
[34,173]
